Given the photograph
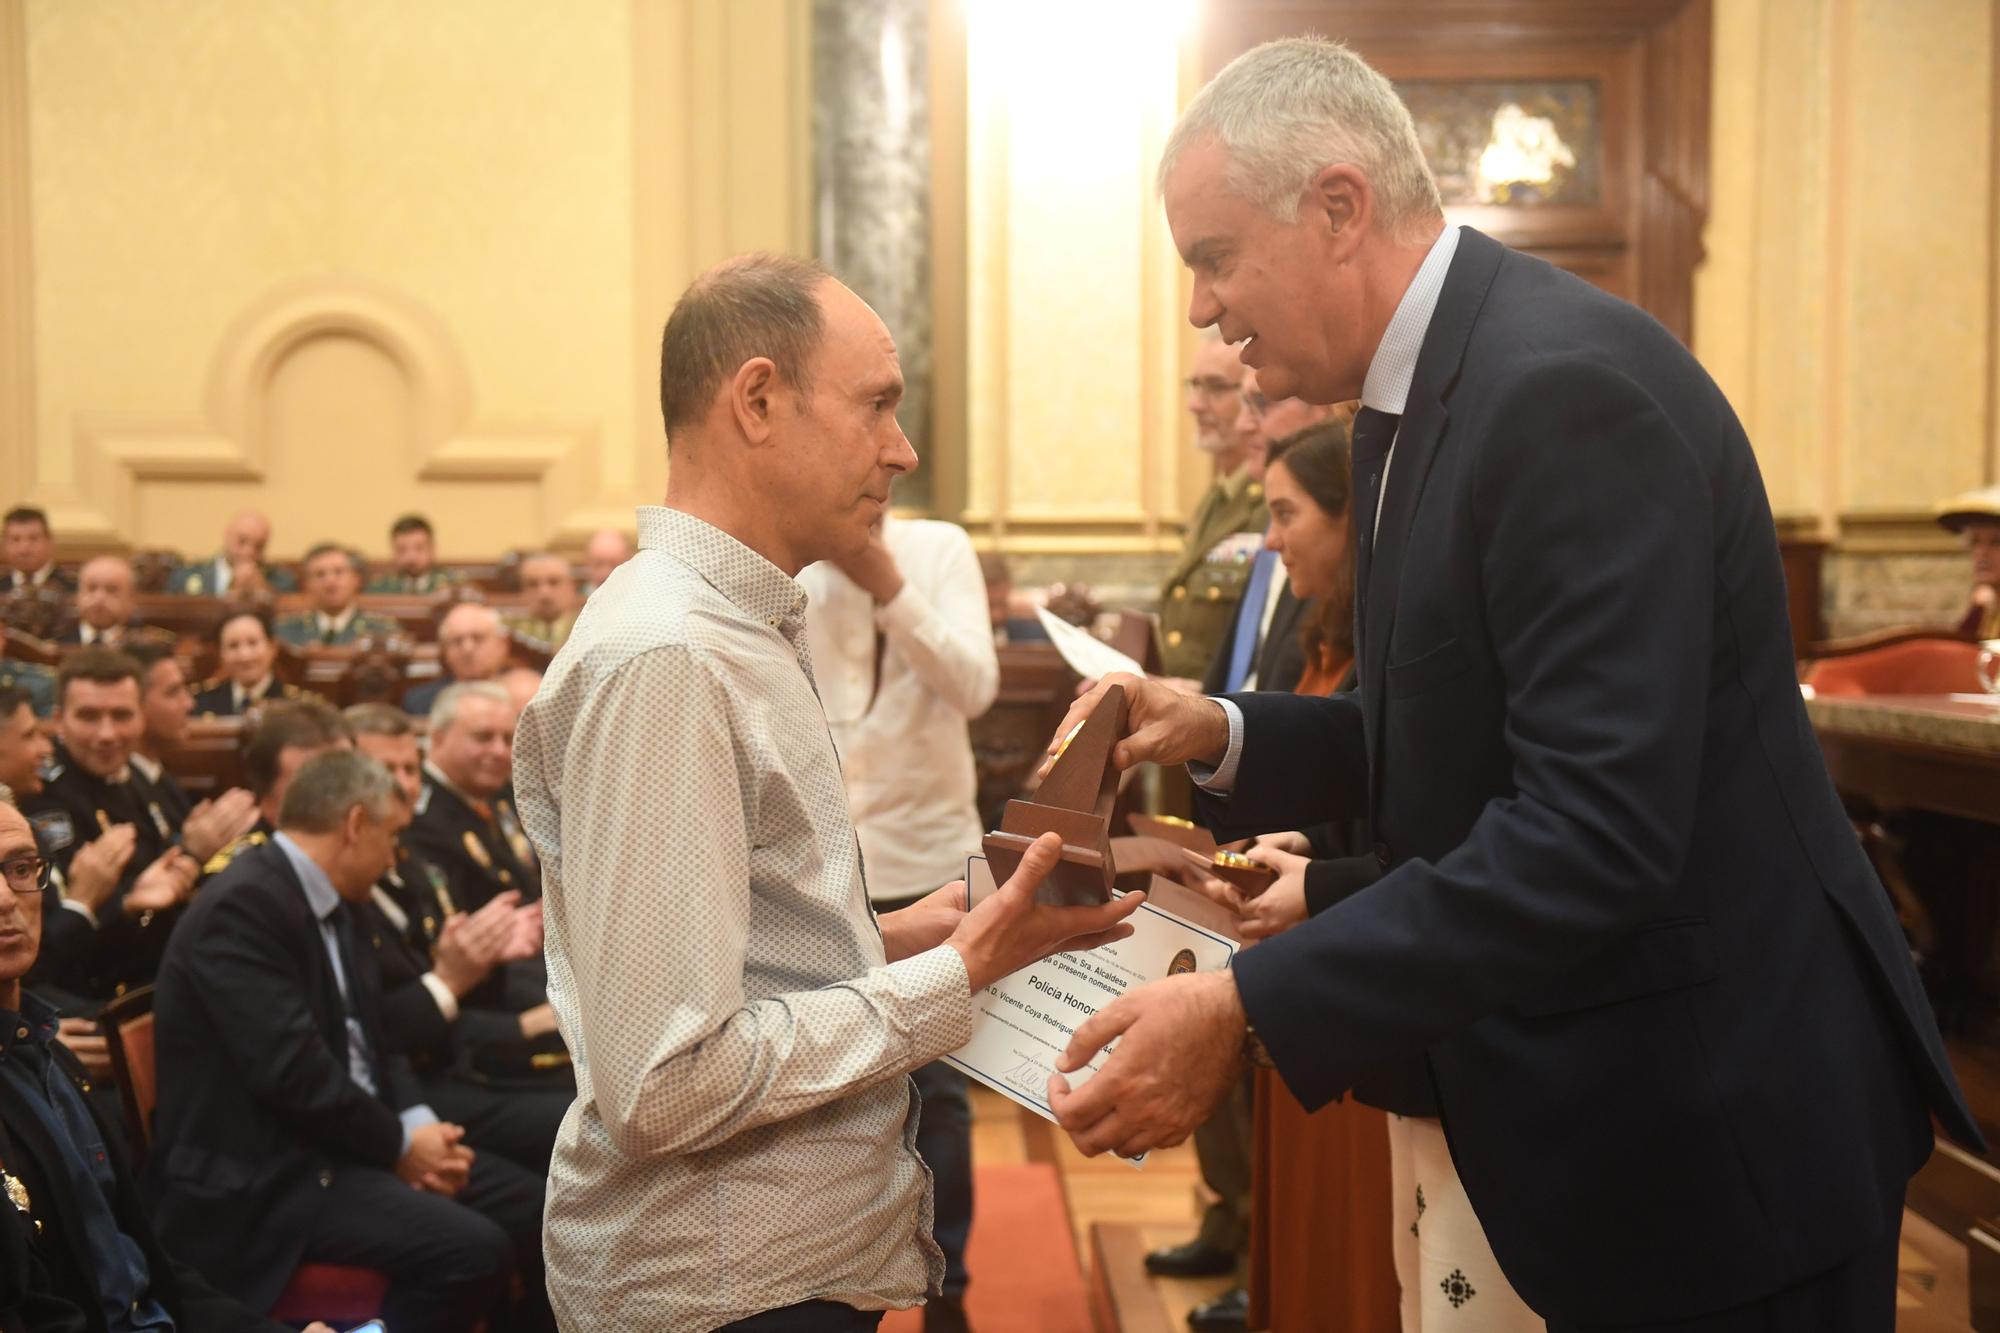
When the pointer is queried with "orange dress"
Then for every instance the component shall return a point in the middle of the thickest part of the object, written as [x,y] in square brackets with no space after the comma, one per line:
[1320,1251]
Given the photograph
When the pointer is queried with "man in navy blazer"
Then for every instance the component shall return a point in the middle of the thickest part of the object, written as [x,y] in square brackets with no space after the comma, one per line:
[1683,1060]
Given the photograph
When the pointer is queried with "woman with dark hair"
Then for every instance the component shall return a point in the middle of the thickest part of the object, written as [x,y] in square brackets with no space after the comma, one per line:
[247,650]
[1345,1232]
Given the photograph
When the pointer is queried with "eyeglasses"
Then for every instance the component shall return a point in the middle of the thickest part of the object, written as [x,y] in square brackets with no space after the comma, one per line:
[1256,402]
[25,874]
[1210,386]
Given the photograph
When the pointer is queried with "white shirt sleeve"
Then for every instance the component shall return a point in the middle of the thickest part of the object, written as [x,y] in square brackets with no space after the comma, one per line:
[1222,778]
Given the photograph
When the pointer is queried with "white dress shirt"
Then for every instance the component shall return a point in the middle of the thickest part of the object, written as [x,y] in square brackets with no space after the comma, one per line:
[1386,389]
[744,1135]
[899,723]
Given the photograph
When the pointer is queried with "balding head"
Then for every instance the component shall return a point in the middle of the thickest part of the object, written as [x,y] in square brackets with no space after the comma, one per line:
[244,538]
[759,307]
[607,549]
[105,594]
[471,642]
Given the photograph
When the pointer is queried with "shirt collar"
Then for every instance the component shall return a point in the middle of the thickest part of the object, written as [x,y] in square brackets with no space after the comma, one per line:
[35,1024]
[1387,388]
[323,622]
[146,764]
[245,697]
[321,896]
[1233,484]
[757,587]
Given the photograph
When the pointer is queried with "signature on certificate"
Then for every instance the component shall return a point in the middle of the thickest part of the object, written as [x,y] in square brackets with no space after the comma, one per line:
[1027,1076]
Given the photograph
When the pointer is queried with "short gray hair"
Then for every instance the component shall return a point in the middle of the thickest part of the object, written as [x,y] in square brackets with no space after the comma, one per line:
[1286,110]
[753,305]
[452,698]
[378,719]
[328,785]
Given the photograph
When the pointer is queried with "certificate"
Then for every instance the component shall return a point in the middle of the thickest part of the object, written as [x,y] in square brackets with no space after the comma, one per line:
[1022,1023]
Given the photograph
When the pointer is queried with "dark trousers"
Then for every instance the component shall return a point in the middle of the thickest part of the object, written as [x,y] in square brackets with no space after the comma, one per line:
[1222,1149]
[944,1141]
[448,1260]
[520,1124]
[812,1317]
[1858,1296]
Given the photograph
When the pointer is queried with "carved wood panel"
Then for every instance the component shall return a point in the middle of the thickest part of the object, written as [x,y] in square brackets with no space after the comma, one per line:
[1623,83]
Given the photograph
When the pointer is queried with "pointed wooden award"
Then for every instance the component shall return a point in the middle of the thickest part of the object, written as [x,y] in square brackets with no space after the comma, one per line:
[1075,800]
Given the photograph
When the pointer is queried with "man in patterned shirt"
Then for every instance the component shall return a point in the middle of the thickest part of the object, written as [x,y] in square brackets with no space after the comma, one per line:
[741,1151]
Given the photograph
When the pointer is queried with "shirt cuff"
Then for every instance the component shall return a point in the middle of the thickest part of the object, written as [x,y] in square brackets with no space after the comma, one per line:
[414,1118]
[447,1003]
[904,613]
[75,906]
[1221,779]
[938,995]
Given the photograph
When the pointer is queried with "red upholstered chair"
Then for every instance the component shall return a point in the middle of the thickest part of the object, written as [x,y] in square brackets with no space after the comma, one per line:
[1933,665]
[337,1293]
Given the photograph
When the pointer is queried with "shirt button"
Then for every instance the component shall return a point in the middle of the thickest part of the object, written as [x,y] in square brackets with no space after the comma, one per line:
[1214,593]
[1180,592]
[22,1033]
[1173,638]
[326,1180]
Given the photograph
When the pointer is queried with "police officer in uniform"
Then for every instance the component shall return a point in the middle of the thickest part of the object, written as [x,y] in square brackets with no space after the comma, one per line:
[333,581]
[1198,601]
[91,787]
[464,821]
[463,994]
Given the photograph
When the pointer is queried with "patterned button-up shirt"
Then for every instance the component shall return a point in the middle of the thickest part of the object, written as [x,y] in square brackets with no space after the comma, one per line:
[743,1135]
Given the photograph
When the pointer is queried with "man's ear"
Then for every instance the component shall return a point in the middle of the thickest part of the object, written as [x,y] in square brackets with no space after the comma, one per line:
[1342,205]
[751,391]
[356,821]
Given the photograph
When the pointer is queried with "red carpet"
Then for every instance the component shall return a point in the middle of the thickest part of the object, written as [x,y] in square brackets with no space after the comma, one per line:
[1025,1277]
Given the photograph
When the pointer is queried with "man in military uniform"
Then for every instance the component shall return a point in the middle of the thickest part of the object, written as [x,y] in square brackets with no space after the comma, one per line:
[550,587]
[1199,599]
[333,581]
[239,571]
[91,788]
[413,560]
[107,602]
[28,552]
[472,645]
[464,994]
[465,822]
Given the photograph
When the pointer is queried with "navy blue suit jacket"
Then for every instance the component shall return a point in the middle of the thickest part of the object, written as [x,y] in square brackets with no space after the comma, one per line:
[1681,1053]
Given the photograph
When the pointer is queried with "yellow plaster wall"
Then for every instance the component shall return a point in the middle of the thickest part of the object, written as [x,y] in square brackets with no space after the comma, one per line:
[343,258]
[1847,303]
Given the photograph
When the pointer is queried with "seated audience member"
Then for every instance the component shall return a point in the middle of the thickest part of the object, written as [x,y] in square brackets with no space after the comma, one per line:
[165,703]
[288,1130]
[413,560]
[521,683]
[1975,517]
[472,645]
[247,650]
[92,789]
[30,551]
[239,571]
[283,737]
[100,1264]
[68,936]
[465,822]
[550,588]
[333,581]
[607,549]
[106,607]
[452,993]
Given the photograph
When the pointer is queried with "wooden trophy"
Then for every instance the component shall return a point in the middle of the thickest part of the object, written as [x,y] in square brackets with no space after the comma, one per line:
[1075,800]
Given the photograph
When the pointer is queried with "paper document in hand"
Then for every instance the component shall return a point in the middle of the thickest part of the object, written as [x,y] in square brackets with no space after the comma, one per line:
[1087,655]
[1021,1023]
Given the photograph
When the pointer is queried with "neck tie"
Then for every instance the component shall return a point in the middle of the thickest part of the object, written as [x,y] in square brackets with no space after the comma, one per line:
[1249,620]
[1374,433]
[360,1052]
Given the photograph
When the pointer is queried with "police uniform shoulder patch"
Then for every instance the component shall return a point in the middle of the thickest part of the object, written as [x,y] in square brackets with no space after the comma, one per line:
[54,828]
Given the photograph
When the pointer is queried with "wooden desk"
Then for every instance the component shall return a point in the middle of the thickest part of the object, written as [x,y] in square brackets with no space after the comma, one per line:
[1930,764]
